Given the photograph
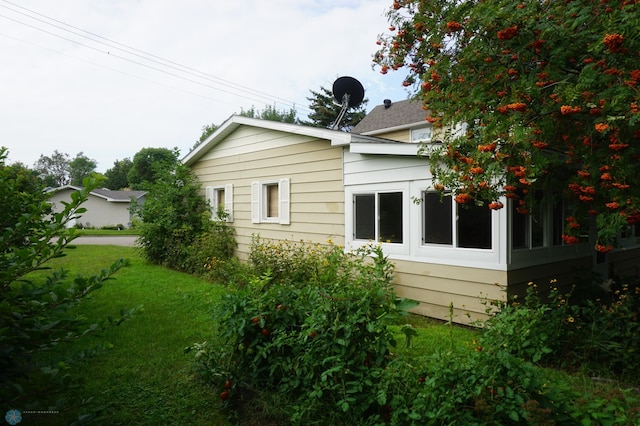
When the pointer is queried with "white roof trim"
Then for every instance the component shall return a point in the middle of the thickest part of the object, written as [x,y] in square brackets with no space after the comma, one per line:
[337,137]
[385,148]
[416,125]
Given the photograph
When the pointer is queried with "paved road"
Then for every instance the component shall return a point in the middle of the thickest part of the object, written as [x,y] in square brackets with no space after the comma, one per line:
[109,240]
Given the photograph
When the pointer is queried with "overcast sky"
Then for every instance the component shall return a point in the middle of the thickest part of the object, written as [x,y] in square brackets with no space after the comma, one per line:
[110,77]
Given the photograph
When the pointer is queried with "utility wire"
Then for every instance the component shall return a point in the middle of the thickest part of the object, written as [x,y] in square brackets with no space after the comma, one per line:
[144,56]
[116,70]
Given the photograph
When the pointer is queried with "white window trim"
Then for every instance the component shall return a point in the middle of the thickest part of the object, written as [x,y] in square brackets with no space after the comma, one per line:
[421,129]
[389,248]
[441,253]
[259,201]
[211,195]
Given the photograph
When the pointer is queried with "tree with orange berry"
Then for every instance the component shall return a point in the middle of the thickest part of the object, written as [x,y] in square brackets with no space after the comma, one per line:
[548,92]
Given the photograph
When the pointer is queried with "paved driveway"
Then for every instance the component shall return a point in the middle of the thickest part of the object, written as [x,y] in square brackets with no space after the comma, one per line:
[108,240]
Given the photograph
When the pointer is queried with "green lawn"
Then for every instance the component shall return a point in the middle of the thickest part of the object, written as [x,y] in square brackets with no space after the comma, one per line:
[109,232]
[146,378]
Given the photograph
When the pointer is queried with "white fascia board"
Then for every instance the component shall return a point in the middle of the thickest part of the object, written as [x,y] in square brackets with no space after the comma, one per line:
[398,148]
[396,128]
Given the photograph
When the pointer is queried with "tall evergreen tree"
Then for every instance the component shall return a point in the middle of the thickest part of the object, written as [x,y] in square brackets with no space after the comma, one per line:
[326,109]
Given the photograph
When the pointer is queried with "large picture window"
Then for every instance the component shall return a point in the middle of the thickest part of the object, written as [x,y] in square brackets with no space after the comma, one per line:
[445,222]
[378,217]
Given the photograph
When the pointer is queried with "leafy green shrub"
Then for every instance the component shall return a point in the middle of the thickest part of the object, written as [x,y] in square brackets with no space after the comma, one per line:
[530,330]
[212,253]
[37,317]
[601,335]
[471,387]
[590,331]
[317,346]
[296,262]
[172,216]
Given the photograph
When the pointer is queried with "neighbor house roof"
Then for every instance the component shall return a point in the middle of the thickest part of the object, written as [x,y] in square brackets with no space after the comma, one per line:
[107,194]
[118,196]
[337,137]
[391,116]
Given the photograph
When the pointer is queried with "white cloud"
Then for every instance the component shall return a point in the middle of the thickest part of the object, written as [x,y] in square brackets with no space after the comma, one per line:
[59,94]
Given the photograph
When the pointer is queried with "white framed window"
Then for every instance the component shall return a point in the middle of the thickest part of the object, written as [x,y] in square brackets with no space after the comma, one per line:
[444,232]
[378,213]
[422,134]
[530,230]
[378,217]
[220,197]
[270,201]
[446,223]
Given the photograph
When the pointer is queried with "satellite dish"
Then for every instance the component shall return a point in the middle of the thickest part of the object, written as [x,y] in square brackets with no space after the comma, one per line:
[349,92]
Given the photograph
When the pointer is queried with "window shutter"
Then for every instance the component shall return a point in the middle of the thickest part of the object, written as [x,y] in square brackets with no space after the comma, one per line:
[255,202]
[283,199]
[209,198]
[228,201]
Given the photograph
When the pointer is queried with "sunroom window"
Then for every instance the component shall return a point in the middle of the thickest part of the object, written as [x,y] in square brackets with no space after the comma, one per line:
[378,217]
[447,223]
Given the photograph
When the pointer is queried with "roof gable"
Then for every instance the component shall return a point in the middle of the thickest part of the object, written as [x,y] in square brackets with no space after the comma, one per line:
[393,116]
[336,137]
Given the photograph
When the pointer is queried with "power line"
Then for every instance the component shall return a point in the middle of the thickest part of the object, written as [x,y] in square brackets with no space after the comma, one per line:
[250,94]
[116,70]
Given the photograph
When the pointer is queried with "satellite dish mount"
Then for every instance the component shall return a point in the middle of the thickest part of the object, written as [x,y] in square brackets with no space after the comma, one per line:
[349,92]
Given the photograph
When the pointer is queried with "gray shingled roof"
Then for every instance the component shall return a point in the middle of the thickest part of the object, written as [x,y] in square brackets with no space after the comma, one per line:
[401,113]
[118,195]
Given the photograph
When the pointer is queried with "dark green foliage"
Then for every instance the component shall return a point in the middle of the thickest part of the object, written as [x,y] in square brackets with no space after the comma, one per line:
[117,175]
[319,346]
[307,341]
[594,333]
[211,255]
[271,113]
[36,316]
[149,164]
[173,215]
[325,111]
[80,168]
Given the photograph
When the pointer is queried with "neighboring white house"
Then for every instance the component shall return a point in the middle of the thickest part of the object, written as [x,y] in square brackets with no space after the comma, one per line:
[291,182]
[104,206]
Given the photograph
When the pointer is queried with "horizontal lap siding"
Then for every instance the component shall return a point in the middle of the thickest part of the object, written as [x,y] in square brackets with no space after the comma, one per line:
[367,169]
[313,166]
[625,264]
[437,286]
[559,274]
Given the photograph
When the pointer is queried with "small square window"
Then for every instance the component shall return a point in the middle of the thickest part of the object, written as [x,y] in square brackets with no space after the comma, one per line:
[422,134]
[270,202]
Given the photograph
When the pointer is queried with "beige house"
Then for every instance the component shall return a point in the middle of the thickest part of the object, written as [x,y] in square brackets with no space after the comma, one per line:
[104,206]
[285,181]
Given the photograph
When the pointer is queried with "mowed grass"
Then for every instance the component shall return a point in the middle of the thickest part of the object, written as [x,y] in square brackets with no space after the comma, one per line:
[107,232]
[146,378]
